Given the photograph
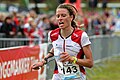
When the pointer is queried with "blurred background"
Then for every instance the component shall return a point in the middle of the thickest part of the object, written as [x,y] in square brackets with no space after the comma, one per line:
[27,22]
[100,17]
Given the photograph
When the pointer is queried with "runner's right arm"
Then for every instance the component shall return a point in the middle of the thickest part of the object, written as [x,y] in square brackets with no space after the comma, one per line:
[41,63]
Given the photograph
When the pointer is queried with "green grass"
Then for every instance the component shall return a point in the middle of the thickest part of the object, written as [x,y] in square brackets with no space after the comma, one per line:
[106,70]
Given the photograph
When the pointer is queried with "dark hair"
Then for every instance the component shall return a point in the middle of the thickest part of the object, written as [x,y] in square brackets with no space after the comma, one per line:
[8,17]
[72,11]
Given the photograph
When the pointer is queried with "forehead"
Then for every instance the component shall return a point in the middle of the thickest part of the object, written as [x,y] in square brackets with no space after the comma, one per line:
[61,11]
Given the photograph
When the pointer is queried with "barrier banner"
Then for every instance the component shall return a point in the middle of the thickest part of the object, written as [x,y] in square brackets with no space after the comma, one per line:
[15,63]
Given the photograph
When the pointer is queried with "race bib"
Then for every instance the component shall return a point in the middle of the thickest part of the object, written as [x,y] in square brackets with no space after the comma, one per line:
[68,68]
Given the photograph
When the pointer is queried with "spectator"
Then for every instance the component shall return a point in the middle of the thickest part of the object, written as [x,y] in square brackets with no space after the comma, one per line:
[8,27]
[35,33]
[1,19]
[26,27]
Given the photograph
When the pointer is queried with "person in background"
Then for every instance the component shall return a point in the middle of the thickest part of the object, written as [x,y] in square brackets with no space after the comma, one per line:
[35,33]
[71,47]
[1,19]
[8,27]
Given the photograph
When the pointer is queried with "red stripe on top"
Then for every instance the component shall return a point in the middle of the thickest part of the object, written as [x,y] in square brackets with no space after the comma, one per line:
[54,34]
[76,37]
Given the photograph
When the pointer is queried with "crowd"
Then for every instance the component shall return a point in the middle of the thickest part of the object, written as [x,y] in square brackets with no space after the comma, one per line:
[26,25]
[32,25]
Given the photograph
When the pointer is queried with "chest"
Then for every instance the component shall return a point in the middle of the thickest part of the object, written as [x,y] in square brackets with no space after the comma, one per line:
[66,45]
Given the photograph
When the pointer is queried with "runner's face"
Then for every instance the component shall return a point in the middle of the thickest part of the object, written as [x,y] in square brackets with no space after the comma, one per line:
[63,18]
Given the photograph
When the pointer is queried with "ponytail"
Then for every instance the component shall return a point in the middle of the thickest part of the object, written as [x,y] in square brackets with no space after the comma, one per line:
[73,24]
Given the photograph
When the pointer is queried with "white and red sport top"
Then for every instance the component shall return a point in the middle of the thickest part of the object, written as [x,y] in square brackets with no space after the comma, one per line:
[71,44]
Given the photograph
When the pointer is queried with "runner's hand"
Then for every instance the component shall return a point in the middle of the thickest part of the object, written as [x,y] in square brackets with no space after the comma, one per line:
[37,66]
[64,56]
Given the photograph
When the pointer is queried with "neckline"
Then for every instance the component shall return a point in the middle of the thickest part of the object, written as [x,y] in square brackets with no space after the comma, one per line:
[67,36]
